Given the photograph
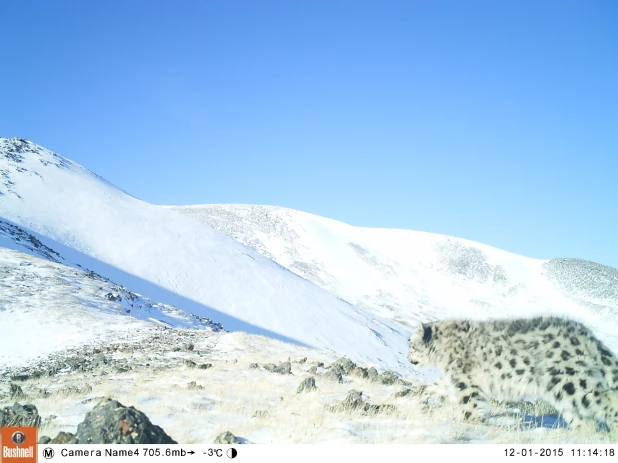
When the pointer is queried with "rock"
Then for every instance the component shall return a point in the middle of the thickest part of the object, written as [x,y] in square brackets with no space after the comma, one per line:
[270,367]
[110,422]
[415,390]
[303,360]
[359,371]
[190,364]
[320,365]
[372,372]
[44,440]
[313,370]
[403,393]
[111,297]
[388,378]
[345,363]
[193,385]
[99,361]
[354,402]
[307,385]
[64,438]
[284,369]
[205,366]
[227,438]
[334,376]
[16,392]
[20,415]
[254,365]
[335,373]
[190,346]
[261,414]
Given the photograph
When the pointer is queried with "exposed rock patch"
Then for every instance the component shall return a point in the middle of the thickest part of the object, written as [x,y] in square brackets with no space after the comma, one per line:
[227,438]
[20,415]
[307,385]
[335,373]
[110,422]
[387,378]
[284,368]
[355,402]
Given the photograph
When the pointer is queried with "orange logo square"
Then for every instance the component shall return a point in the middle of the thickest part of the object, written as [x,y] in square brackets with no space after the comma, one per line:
[19,445]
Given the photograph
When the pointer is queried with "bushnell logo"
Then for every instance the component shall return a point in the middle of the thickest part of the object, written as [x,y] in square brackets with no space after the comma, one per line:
[18,438]
[19,445]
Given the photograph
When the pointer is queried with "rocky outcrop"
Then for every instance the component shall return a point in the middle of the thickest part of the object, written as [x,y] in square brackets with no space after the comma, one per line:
[307,385]
[110,422]
[227,438]
[355,402]
[19,415]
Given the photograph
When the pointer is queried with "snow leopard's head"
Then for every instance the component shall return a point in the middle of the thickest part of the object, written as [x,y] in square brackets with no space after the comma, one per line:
[420,344]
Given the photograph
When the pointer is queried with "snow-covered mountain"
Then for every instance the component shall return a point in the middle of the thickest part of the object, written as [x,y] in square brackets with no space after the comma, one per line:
[91,279]
[54,208]
[406,275]
[57,307]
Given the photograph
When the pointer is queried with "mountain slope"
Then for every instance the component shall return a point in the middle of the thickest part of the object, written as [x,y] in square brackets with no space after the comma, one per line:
[49,305]
[407,275]
[175,260]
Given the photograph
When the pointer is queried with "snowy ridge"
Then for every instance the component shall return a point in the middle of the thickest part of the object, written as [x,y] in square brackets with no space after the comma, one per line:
[175,260]
[406,275]
[52,303]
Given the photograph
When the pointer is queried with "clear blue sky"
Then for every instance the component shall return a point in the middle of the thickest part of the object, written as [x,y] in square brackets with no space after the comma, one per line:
[495,121]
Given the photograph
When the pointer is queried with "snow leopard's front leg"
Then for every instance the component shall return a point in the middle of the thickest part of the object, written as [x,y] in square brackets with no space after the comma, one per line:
[436,393]
[472,397]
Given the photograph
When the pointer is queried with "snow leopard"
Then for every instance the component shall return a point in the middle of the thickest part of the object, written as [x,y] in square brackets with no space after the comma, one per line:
[550,358]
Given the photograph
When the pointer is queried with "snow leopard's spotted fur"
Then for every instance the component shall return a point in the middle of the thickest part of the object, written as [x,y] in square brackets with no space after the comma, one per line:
[551,358]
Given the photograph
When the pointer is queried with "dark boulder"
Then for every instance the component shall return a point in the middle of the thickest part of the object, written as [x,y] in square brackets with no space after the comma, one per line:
[110,422]
[307,385]
[345,363]
[355,402]
[284,368]
[388,378]
[19,415]
[227,438]
[359,372]
[15,392]
[335,373]
[270,367]
[64,438]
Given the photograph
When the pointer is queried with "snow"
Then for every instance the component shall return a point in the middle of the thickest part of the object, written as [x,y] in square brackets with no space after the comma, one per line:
[47,307]
[83,263]
[175,260]
[38,316]
[352,290]
[406,275]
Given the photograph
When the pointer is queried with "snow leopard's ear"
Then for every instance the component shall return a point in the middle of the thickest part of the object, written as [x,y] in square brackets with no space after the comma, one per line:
[427,333]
